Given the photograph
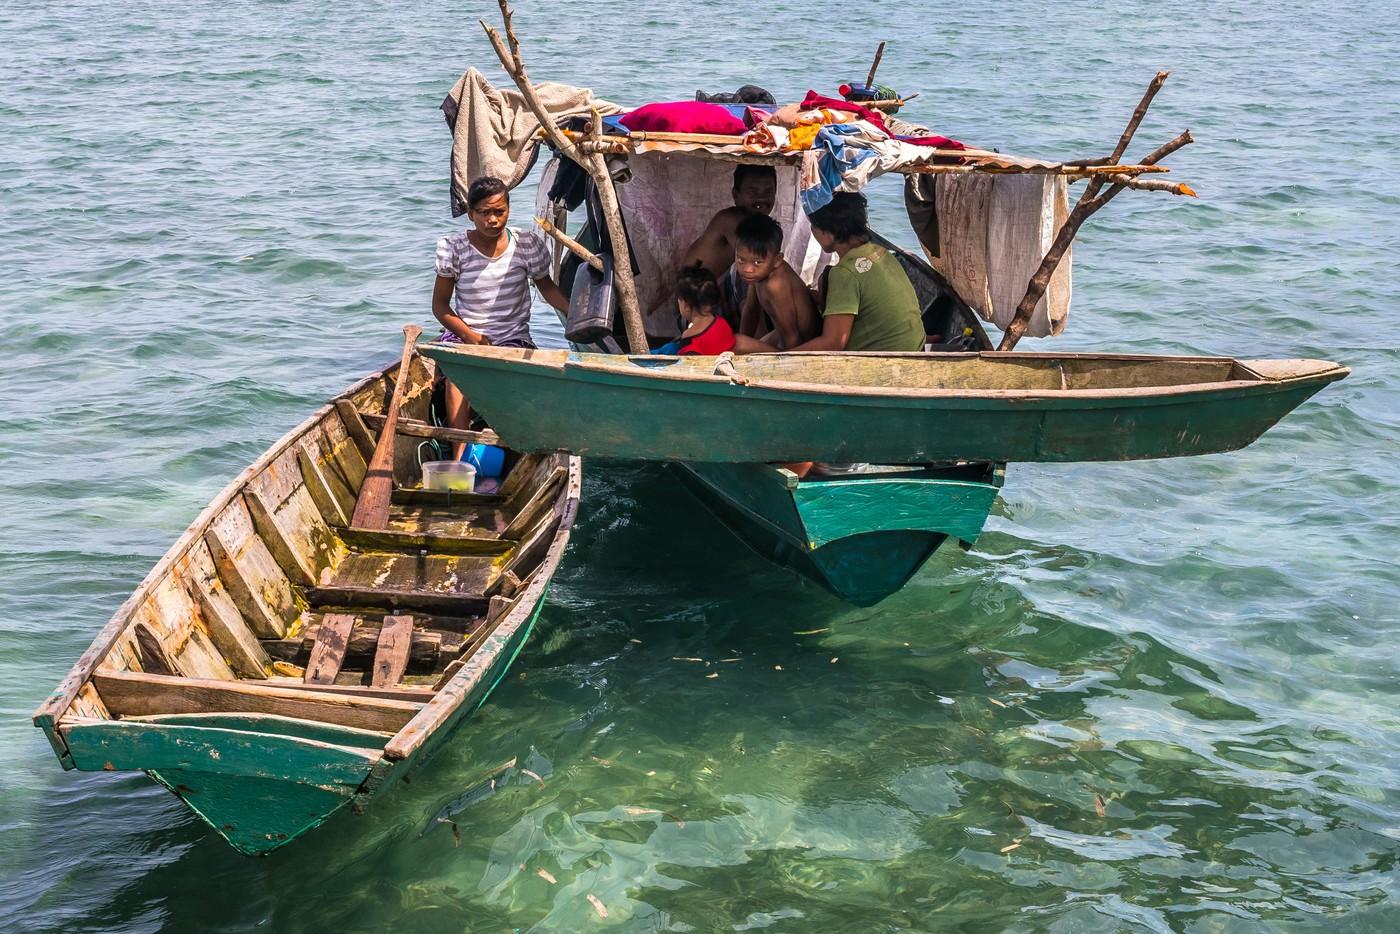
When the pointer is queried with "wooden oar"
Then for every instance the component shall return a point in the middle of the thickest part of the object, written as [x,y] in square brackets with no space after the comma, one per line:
[372,507]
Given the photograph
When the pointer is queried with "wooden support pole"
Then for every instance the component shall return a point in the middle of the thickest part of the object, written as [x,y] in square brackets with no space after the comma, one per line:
[1138,113]
[1089,202]
[1161,152]
[596,168]
[1153,184]
[578,249]
[892,104]
[875,65]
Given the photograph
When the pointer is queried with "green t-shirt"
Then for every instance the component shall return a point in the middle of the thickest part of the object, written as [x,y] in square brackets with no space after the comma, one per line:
[870,284]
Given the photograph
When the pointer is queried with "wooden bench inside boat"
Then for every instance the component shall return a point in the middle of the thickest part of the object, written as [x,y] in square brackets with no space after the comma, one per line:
[273,605]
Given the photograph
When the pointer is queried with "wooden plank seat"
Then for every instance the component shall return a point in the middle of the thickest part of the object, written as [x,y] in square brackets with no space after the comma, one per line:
[447,519]
[431,583]
[137,694]
[460,539]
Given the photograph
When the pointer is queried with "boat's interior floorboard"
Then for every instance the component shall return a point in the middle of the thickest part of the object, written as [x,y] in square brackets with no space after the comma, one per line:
[431,643]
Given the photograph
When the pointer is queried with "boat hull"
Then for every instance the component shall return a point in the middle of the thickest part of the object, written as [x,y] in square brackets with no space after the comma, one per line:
[861,539]
[260,790]
[280,663]
[672,409]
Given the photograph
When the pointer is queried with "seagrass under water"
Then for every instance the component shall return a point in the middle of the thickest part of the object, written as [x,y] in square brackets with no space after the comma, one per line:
[1206,645]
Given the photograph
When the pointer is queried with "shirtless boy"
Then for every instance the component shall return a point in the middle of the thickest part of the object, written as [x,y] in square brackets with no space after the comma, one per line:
[778,308]
[755,190]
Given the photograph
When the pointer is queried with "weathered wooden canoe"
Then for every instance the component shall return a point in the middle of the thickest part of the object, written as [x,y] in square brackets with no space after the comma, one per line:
[277,664]
[882,408]
[860,536]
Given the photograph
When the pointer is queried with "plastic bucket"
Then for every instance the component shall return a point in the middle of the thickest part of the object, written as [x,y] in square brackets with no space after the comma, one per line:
[488,459]
[457,476]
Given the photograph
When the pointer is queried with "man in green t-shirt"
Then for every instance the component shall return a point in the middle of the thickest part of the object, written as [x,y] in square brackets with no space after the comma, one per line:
[870,302]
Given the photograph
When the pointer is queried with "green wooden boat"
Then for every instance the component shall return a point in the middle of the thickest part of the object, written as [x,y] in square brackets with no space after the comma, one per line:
[278,665]
[883,408]
[861,536]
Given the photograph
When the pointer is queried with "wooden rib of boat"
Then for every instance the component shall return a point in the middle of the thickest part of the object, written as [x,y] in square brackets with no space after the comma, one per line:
[880,407]
[278,664]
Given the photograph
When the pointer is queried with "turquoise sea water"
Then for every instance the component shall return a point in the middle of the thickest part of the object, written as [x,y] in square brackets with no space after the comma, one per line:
[212,217]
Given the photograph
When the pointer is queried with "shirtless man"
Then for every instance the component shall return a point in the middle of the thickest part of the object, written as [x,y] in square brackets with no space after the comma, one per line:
[755,190]
[778,309]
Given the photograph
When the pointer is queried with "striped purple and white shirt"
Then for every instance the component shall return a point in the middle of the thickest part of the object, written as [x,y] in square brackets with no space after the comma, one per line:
[493,295]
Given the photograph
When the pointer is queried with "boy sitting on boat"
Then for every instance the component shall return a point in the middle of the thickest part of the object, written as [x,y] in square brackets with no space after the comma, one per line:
[778,308]
[755,191]
[488,270]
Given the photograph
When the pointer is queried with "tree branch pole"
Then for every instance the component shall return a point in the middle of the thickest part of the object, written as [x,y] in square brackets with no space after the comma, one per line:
[1152,158]
[1088,203]
[596,168]
[578,249]
[874,66]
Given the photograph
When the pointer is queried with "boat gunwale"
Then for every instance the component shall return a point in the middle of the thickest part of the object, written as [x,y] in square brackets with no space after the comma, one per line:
[56,705]
[504,358]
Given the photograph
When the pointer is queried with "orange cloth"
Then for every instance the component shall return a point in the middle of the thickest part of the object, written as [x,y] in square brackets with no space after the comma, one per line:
[801,137]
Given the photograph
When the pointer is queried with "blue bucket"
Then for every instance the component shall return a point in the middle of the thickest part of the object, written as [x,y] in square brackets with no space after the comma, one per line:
[488,459]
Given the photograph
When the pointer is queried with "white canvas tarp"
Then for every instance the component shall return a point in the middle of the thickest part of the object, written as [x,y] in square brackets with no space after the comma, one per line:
[991,233]
[668,202]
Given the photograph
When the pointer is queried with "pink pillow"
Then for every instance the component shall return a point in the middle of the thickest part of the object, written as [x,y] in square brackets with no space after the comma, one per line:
[684,117]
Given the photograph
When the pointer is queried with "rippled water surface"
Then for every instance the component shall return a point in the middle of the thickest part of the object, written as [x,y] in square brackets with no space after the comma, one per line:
[212,217]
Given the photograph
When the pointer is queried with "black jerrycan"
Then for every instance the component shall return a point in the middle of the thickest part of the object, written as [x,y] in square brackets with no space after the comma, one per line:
[591,304]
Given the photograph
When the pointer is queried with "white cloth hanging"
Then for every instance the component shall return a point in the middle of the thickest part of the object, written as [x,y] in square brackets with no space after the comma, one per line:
[993,232]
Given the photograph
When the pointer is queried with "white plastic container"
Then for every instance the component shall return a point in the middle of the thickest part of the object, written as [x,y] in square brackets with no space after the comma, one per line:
[457,476]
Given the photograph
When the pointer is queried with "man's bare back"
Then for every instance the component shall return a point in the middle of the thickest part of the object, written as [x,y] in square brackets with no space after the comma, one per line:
[714,250]
[755,190]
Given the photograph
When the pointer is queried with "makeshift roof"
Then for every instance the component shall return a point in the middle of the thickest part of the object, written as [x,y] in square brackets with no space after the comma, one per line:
[912,160]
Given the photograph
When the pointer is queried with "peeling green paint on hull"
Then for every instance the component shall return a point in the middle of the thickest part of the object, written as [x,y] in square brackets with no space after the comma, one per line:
[261,790]
[860,538]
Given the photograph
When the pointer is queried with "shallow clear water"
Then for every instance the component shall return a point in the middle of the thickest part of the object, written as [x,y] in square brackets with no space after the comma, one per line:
[212,218]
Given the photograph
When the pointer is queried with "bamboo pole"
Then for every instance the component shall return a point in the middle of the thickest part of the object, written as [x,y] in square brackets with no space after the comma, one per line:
[1089,202]
[592,163]
[578,249]
[890,104]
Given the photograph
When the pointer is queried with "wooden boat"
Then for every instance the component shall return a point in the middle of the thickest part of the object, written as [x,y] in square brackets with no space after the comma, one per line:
[883,408]
[278,665]
[861,535]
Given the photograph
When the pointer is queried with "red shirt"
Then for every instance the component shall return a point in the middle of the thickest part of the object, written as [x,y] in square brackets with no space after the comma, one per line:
[717,338]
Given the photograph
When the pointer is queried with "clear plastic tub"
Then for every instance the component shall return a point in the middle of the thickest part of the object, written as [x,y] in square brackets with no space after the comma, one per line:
[457,476]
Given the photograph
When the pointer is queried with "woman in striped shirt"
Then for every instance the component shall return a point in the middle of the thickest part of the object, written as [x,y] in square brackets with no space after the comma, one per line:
[488,270]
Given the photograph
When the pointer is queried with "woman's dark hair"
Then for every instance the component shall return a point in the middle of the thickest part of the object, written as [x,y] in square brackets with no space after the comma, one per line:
[844,218]
[483,187]
[697,288]
[760,235]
